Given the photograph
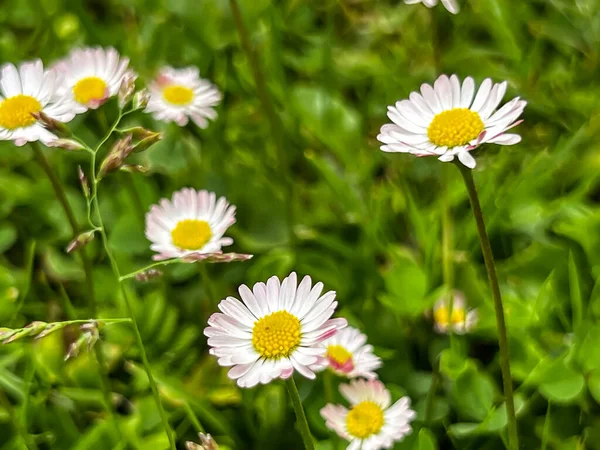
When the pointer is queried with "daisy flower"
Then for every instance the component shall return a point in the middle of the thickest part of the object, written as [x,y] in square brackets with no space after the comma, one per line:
[450,5]
[274,330]
[460,320]
[179,94]
[448,120]
[93,75]
[347,354]
[189,225]
[371,423]
[28,90]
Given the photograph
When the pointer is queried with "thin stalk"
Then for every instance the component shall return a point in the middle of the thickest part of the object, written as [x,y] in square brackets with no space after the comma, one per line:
[138,336]
[300,416]
[429,402]
[488,257]
[87,267]
[328,386]
[151,266]
[267,105]
[95,203]
[192,418]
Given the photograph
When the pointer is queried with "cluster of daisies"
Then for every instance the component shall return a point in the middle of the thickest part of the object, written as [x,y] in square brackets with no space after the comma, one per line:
[84,80]
[281,326]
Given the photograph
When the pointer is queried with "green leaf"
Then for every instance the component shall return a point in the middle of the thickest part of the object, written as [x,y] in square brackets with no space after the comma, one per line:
[8,236]
[427,440]
[406,284]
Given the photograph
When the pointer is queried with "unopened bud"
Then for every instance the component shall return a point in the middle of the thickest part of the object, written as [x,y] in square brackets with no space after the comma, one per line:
[84,182]
[80,241]
[51,124]
[127,89]
[89,337]
[114,160]
[140,133]
[206,443]
[148,275]
[133,168]
[147,142]
[67,144]
[140,99]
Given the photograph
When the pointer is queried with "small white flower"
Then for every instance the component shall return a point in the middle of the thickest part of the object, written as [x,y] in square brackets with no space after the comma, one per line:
[189,225]
[93,75]
[179,94]
[450,5]
[273,331]
[347,354]
[28,90]
[460,320]
[371,423]
[445,121]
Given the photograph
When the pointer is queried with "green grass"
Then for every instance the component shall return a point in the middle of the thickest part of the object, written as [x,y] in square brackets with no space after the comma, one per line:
[316,195]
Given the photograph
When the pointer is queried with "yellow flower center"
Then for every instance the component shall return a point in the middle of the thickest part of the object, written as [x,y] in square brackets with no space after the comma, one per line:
[365,419]
[15,112]
[88,89]
[454,127]
[442,316]
[276,335]
[191,234]
[338,354]
[178,95]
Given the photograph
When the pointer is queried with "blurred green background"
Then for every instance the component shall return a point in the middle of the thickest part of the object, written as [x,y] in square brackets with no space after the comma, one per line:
[367,224]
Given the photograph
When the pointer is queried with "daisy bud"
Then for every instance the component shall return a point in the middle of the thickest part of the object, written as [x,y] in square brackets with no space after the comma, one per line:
[84,182]
[89,337]
[140,99]
[206,443]
[148,275]
[147,142]
[80,241]
[67,144]
[121,150]
[133,168]
[51,124]
[140,132]
[127,89]
[32,329]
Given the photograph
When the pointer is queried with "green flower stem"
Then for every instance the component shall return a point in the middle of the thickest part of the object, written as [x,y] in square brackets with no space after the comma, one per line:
[138,336]
[300,416]
[151,266]
[488,257]
[94,202]
[267,105]
[429,402]
[87,267]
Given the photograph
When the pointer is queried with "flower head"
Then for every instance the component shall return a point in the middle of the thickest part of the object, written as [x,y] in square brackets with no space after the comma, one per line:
[93,75]
[450,5]
[371,423]
[179,94]
[191,224]
[274,330]
[460,320]
[27,91]
[447,120]
[347,354]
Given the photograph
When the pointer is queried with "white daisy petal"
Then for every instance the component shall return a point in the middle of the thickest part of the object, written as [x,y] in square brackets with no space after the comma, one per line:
[450,5]
[177,95]
[176,231]
[92,75]
[28,90]
[347,355]
[371,423]
[444,120]
[262,337]
[450,311]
